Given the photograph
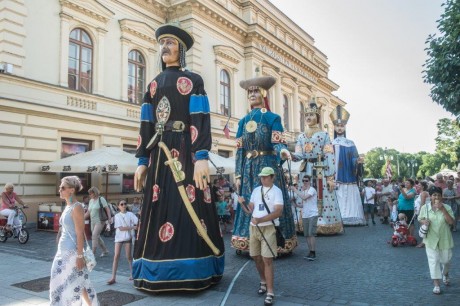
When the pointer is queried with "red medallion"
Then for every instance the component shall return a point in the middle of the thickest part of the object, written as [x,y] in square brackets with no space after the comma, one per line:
[174,153]
[184,85]
[207,195]
[166,232]
[193,133]
[156,192]
[190,190]
[153,88]
[139,141]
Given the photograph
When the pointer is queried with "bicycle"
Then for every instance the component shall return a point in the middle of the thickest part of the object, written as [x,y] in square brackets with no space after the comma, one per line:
[17,231]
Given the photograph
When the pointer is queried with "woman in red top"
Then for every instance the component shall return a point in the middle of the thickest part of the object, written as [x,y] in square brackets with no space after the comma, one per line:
[9,199]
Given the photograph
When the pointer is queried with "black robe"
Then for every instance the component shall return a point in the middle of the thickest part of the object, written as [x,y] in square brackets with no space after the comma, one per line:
[169,253]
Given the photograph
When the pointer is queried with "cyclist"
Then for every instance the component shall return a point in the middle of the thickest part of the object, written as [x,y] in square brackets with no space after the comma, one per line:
[9,199]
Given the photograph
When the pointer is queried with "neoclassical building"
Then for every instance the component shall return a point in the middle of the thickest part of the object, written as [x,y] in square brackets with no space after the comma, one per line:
[73,72]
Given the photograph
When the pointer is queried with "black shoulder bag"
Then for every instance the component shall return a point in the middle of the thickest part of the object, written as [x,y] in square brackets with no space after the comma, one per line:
[102,212]
[280,241]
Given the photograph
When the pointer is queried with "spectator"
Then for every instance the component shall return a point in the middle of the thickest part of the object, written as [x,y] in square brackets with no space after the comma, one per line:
[69,282]
[423,199]
[369,202]
[97,226]
[125,224]
[234,199]
[438,240]
[440,182]
[85,206]
[9,199]
[223,212]
[406,201]
[136,206]
[383,196]
[449,197]
[309,205]
[262,243]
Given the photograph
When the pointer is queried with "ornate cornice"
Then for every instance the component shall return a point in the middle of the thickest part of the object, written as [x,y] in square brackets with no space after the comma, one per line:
[89,8]
[138,29]
[228,53]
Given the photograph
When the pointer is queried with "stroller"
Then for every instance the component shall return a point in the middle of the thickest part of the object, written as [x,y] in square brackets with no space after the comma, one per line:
[401,234]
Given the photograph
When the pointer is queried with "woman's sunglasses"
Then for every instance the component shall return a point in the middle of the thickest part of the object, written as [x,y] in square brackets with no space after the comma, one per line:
[122,204]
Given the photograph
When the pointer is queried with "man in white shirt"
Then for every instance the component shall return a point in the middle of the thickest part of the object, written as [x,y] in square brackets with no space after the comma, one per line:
[383,196]
[309,207]
[262,233]
[369,195]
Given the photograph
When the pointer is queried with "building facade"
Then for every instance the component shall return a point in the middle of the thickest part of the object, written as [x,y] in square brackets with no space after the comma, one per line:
[73,73]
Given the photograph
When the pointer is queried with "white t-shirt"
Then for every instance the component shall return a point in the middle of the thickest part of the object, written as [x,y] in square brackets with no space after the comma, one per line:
[310,205]
[273,196]
[369,193]
[124,220]
[386,189]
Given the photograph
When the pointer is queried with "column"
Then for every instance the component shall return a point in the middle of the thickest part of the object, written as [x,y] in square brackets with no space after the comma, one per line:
[278,101]
[100,60]
[296,110]
[124,68]
[64,54]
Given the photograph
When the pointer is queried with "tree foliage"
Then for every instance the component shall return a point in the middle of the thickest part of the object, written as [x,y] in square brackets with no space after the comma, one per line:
[442,68]
[448,139]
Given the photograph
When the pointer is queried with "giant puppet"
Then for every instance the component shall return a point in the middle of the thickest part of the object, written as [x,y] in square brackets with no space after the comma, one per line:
[315,149]
[179,244]
[347,162]
[260,143]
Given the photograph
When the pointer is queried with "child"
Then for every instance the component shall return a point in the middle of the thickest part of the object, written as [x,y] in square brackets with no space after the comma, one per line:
[223,212]
[125,223]
[400,226]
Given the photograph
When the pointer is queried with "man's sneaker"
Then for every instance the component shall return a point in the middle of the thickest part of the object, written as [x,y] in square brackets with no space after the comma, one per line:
[311,256]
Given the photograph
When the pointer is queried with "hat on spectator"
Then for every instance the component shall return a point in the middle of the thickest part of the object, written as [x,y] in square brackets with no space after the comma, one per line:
[267,171]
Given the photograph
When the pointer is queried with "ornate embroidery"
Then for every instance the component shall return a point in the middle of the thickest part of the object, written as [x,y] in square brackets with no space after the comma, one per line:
[153,88]
[139,141]
[163,110]
[166,232]
[239,143]
[204,226]
[207,195]
[277,137]
[190,190]
[184,85]
[328,148]
[193,133]
[308,147]
[298,149]
[156,192]
[174,153]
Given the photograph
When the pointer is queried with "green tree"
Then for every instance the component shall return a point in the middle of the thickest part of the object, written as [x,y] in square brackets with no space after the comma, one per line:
[448,139]
[442,68]
[433,163]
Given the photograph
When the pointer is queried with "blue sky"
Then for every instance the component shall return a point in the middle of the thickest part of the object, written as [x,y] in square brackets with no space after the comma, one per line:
[375,50]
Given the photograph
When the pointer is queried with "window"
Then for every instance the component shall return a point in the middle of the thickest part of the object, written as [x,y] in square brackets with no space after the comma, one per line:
[128,179]
[80,61]
[136,77]
[286,112]
[70,147]
[224,93]
[302,117]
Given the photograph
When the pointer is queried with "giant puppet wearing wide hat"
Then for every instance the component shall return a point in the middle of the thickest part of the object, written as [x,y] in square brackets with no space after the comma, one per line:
[315,149]
[178,227]
[347,165]
[260,143]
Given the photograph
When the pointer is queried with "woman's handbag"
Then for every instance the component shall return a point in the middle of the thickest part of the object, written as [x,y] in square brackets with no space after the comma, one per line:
[423,230]
[280,241]
[102,212]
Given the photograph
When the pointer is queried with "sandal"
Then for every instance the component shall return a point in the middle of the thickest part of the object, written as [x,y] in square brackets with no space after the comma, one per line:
[262,288]
[269,299]
[446,280]
[111,282]
[436,290]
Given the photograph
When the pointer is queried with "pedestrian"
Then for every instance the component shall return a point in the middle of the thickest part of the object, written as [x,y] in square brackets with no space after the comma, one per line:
[262,232]
[223,212]
[69,282]
[449,197]
[85,205]
[369,202]
[383,196]
[423,199]
[309,205]
[179,227]
[438,241]
[260,143]
[125,224]
[406,202]
[9,199]
[97,226]
[136,206]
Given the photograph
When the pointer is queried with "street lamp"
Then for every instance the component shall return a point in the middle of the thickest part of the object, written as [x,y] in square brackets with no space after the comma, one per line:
[412,164]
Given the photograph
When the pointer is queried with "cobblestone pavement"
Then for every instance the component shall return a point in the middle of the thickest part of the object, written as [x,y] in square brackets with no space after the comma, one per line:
[356,268]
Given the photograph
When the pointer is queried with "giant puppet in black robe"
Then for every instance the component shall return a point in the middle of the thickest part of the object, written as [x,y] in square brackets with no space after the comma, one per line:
[170,253]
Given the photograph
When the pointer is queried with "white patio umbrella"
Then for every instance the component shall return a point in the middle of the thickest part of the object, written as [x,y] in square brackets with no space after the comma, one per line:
[445,172]
[220,164]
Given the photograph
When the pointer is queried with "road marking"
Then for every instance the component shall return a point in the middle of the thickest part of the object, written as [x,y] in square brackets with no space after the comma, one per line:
[224,300]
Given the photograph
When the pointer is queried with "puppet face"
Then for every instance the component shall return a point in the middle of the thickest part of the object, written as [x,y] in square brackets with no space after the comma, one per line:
[169,48]
[255,97]
[311,119]
[340,128]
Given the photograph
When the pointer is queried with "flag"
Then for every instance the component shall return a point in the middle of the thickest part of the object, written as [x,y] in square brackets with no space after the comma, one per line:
[227,131]
[389,174]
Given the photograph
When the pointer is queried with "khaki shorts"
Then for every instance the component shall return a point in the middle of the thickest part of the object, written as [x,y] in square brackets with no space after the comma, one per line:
[257,244]
[310,226]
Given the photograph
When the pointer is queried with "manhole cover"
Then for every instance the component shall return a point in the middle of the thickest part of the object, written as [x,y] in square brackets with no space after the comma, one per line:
[117,298]
[35,285]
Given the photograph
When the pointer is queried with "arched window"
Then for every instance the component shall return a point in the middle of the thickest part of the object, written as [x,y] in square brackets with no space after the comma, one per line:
[302,117]
[80,61]
[286,112]
[136,77]
[225,93]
